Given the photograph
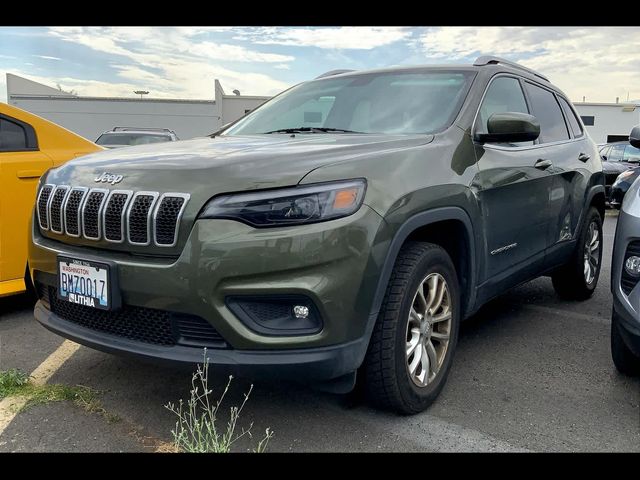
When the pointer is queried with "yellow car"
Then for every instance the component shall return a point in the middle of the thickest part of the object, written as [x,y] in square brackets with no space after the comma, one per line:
[29,146]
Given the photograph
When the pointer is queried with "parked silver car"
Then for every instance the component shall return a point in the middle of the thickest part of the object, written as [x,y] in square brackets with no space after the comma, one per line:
[625,280]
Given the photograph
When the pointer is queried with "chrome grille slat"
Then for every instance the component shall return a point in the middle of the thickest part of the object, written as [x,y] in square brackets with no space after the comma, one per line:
[114,215]
[92,213]
[42,204]
[166,218]
[139,218]
[72,207]
[55,208]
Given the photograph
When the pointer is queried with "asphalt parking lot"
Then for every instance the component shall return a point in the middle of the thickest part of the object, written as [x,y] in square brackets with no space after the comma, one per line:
[531,373]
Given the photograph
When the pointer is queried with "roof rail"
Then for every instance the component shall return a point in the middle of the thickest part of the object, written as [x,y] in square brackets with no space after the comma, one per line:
[334,72]
[144,129]
[490,60]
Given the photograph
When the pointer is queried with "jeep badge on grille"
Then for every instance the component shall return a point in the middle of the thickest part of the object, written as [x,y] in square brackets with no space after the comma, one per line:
[107,177]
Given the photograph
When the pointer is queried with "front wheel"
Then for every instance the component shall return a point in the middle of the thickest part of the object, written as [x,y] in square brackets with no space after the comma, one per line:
[577,279]
[415,335]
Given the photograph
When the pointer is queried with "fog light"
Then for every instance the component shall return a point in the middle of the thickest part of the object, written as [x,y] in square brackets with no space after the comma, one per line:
[632,266]
[300,311]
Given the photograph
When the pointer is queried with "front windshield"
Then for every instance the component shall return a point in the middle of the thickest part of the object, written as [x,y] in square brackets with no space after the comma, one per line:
[130,139]
[407,102]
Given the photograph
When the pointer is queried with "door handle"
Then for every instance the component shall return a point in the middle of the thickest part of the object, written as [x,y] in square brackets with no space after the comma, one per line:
[583,157]
[543,164]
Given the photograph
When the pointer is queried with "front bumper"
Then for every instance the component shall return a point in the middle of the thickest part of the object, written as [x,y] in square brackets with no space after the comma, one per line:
[626,306]
[334,264]
[322,363]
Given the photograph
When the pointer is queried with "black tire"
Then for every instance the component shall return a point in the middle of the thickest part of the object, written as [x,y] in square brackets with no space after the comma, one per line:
[388,383]
[623,358]
[569,280]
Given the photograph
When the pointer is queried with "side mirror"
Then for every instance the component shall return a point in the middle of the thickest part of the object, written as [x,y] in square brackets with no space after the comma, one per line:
[510,127]
[603,157]
[634,136]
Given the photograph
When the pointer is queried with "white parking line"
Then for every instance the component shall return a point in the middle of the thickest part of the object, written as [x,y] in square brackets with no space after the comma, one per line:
[10,406]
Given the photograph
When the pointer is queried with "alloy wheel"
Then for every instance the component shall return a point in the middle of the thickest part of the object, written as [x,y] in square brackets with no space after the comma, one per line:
[428,329]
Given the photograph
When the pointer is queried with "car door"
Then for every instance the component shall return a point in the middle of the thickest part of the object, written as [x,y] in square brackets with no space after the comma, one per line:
[573,156]
[21,165]
[513,186]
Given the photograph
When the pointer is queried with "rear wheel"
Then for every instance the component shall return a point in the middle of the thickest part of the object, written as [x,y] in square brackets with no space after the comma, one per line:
[415,336]
[577,279]
[623,358]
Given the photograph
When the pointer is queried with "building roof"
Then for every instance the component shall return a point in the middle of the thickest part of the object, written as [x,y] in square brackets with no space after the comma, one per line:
[23,88]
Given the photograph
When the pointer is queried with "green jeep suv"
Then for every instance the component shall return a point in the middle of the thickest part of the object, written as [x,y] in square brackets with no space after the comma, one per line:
[348,225]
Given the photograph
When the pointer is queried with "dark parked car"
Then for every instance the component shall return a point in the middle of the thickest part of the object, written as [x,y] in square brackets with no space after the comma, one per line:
[625,280]
[621,185]
[621,152]
[612,170]
[348,224]
[129,136]
[617,158]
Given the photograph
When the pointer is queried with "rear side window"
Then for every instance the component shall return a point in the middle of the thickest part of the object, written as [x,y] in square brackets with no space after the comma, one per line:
[547,110]
[16,136]
[576,128]
[13,137]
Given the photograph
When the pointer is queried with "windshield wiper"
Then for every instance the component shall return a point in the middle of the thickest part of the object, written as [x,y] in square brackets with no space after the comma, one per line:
[311,130]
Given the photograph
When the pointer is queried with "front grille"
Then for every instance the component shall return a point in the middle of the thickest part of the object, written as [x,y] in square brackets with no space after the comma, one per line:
[197,331]
[627,282]
[145,325]
[72,211]
[42,291]
[43,201]
[166,217]
[56,208]
[113,216]
[140,218]
[91,214]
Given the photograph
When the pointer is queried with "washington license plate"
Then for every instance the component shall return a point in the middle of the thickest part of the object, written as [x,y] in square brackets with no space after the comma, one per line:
[84,282]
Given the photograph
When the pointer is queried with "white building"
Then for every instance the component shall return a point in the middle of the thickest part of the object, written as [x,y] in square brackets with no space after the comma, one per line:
[609,122]
[90,116]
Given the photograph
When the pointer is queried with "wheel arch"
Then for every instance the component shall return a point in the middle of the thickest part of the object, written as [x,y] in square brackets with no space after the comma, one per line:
[423,227]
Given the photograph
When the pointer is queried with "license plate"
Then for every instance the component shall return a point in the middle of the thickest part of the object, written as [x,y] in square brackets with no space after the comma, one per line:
[84,282]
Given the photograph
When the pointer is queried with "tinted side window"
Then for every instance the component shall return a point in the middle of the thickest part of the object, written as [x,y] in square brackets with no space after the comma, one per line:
[546,109]
[576,128]
[504,95]
[615,155]
[631,154]
[13,137]
[604,152]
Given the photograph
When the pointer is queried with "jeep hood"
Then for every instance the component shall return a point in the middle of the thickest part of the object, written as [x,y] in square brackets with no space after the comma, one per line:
[225,164]
[206,167]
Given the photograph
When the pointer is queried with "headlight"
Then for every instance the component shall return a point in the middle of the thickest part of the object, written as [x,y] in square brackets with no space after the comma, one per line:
[290,206]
